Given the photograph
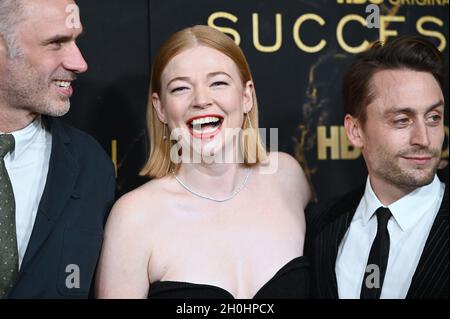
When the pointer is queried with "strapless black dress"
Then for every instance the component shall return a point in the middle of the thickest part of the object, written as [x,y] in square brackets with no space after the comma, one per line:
[290,282]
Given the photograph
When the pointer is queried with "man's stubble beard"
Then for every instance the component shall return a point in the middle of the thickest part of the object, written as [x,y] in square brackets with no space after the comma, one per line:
[26,89]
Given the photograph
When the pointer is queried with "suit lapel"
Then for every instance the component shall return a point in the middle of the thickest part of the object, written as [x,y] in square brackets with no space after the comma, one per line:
[431,276]
[338,221]
[61,179]
[330,239]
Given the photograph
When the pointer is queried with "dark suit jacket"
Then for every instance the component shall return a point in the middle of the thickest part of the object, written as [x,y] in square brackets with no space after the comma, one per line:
[327,227]
[68,229]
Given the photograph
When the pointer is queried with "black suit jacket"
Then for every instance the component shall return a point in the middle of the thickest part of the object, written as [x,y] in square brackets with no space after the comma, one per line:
[327,227]
[68,229]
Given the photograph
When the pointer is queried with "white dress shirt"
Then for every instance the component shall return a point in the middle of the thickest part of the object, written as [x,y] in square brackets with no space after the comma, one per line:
[412,218]
[27,168]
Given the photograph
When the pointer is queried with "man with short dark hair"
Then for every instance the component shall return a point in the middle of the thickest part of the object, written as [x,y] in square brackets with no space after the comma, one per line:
[56,183]
[389,239]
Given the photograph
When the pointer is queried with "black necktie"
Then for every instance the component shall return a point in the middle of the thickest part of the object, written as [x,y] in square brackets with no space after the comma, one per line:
[8,239]
[378,258]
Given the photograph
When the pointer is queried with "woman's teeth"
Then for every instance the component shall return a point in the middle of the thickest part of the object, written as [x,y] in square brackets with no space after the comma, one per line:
[206,125]
[205,120]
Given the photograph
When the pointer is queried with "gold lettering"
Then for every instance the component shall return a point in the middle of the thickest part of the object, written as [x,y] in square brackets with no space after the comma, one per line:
[296,32]
[340,33]
[434,34]
[359,1]
[230,31]
[114,154]
[421,3]
[279,35]
[384,22]
[324,142]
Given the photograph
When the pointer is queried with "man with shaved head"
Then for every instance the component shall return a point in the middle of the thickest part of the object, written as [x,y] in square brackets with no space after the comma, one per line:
[56,183]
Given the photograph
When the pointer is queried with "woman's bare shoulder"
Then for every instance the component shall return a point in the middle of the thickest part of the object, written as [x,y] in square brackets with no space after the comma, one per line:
[280,163]
[141,205]
[286,172]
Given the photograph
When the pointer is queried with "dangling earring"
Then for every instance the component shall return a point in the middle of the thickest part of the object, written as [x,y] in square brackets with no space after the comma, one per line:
[248,120]
[165,131]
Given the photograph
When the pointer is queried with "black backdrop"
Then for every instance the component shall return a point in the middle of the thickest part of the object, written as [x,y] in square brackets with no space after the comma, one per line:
[298,89]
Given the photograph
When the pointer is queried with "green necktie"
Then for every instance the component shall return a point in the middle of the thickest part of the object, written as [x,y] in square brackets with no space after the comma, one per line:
[8,240]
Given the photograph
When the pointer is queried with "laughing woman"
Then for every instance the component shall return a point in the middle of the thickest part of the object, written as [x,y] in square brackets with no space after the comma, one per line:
[219,219]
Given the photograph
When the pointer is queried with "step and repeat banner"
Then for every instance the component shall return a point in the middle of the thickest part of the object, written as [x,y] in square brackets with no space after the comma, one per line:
[297,51]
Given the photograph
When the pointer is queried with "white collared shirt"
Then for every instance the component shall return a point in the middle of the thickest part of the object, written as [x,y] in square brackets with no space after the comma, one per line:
[412,218]
[27,168]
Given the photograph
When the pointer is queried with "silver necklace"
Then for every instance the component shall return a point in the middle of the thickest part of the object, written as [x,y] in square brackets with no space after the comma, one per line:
[233,194]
